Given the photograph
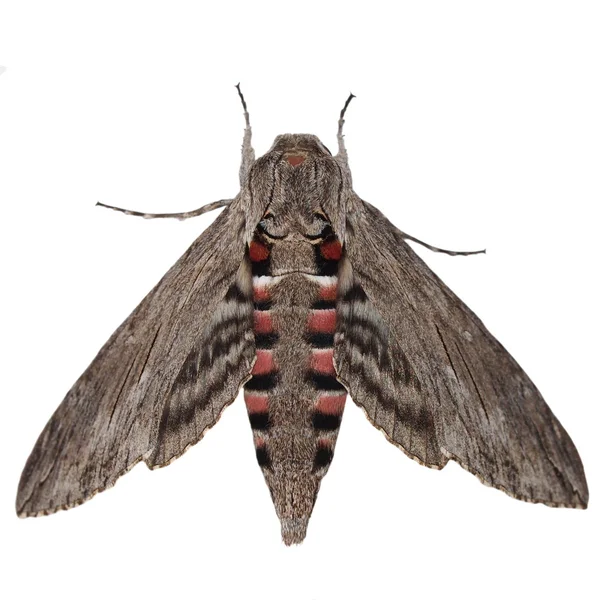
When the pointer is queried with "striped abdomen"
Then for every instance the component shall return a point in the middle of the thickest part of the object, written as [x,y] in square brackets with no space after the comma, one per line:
[294,399]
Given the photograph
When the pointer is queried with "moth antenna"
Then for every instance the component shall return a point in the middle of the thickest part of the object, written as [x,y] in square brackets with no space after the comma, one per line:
[181,216]
[341,145]
[247,150]
[435,249]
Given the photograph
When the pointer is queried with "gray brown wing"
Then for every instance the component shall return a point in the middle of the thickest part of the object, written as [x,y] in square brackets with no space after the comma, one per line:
[160,381]
[433,378]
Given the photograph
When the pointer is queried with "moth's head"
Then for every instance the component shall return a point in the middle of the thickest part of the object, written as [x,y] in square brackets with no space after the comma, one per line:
[299,145]
[300,187]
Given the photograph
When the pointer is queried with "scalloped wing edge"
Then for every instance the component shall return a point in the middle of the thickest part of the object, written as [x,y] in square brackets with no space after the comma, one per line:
[143,458]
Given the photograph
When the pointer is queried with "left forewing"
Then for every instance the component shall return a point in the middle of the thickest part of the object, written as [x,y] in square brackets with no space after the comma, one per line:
[160,381]
[433,378]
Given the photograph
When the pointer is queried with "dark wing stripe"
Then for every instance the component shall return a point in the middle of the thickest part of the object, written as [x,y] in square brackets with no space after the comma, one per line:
[468,400]
[127,406]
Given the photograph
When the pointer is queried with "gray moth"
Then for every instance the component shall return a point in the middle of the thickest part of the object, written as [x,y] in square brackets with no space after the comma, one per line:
[301,293]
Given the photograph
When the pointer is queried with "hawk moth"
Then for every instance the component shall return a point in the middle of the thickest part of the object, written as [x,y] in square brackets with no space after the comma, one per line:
[301,292]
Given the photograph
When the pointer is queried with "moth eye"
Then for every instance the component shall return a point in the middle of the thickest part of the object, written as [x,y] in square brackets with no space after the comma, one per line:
[267,221]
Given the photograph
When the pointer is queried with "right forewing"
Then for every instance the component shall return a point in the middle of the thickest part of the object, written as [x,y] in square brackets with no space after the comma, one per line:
[433,378]
[159,382]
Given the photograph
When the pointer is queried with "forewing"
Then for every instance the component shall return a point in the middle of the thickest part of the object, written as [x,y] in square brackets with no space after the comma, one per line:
[160,381]
[433,378]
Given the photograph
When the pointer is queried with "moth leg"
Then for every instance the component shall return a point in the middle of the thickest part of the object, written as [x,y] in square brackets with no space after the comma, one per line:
[181,216]
[434,249]
[342,153]
[247,150]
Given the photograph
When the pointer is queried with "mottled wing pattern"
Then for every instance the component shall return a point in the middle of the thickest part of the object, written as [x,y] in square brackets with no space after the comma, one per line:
[217,366]
[431,376]
[160,381]
[379,375]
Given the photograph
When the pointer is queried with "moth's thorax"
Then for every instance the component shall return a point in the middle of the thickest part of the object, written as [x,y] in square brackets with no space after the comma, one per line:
[297,180]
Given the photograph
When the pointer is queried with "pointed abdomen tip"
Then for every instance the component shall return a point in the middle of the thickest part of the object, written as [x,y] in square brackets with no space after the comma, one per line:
[293,531]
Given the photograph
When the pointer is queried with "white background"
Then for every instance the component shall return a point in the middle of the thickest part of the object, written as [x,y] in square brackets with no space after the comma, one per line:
[476,124]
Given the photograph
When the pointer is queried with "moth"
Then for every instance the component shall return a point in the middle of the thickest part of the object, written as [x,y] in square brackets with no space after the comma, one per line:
[301,293]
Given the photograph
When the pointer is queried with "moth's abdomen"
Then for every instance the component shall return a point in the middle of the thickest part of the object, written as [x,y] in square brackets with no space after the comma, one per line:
[294,400]
[330,393]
